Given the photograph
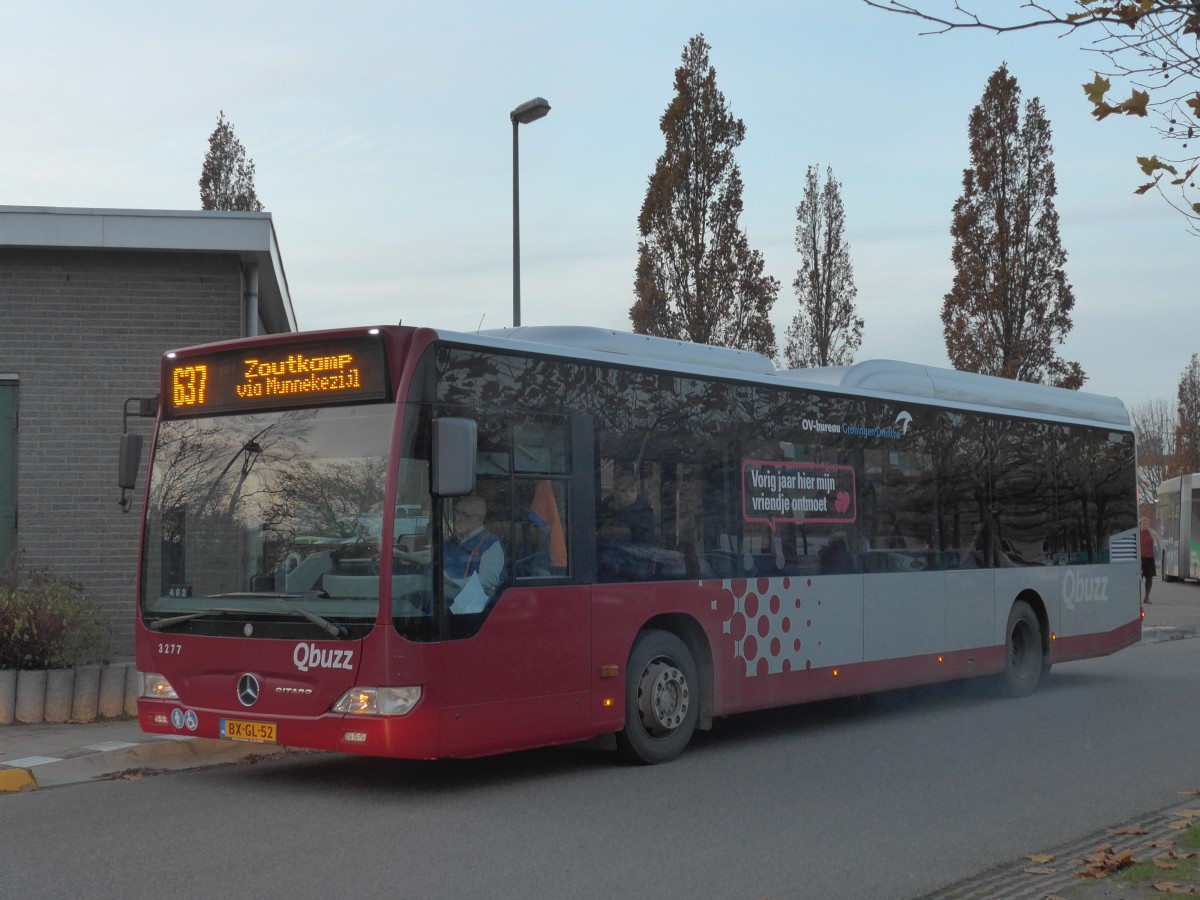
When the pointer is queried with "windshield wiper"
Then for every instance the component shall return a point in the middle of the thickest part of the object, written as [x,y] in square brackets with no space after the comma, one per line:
[160,624]
[321,622]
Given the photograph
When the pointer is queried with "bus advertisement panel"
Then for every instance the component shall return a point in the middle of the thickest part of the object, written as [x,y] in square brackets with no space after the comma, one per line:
[630,537]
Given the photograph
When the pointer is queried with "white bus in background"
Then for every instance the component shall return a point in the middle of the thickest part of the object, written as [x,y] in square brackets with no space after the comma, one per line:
[1178,517]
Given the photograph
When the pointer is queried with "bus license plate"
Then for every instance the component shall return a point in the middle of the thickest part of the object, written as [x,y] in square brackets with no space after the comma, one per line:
[243,730]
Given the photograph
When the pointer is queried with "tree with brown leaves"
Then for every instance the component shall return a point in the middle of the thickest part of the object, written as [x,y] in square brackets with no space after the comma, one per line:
[227,179]
[1187,431]
[1010,304]
[697,278]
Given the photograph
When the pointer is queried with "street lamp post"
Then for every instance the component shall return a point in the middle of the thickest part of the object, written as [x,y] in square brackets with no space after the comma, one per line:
[529,111]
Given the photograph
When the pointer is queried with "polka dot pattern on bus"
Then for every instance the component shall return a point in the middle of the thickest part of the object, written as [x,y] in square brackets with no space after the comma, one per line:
[768,624]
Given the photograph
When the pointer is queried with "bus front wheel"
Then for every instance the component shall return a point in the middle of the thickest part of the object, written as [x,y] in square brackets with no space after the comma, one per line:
[662,703]
[1023,663]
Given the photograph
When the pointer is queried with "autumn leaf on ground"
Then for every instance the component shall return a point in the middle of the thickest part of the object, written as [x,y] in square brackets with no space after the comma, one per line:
[1104,862]
[1128,829]
[1042,858]
[1180,825]
[1190,793]
[1187,813]
[1164,887]
[1162,862]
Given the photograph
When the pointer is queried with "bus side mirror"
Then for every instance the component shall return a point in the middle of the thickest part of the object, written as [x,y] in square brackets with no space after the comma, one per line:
[454,444]
[130,460]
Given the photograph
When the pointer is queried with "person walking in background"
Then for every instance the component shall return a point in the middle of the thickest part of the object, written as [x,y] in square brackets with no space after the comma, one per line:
[1148,542]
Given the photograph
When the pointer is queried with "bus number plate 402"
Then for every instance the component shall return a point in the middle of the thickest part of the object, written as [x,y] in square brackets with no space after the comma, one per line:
[254,732]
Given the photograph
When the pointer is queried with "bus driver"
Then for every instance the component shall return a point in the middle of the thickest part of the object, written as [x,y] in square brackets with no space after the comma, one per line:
[472,559]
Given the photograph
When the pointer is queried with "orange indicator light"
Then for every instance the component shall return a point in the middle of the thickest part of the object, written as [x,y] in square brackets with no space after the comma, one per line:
[608,671]
[836,672]
[941,659]
[607,702]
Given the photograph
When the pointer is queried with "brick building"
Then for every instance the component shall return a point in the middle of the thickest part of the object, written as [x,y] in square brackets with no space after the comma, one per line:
[89,300]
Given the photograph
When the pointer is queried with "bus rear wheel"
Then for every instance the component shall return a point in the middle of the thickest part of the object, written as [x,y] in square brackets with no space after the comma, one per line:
[661,703]
[1024,663]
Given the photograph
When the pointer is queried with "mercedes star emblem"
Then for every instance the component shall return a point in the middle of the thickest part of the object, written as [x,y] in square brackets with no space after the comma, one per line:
[247,690]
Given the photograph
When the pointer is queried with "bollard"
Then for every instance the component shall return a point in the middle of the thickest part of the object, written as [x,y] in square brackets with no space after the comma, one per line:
[59,686]
[85,700]
[112,691]
[31,696]
[8,696]
[133,684]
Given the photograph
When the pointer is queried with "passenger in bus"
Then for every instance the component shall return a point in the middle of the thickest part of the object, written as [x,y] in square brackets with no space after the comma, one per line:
[834,558]
[472,558]
[626,517]
[627,534]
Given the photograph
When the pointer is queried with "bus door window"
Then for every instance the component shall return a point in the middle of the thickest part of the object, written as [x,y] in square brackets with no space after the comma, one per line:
[541,471]
[540,541]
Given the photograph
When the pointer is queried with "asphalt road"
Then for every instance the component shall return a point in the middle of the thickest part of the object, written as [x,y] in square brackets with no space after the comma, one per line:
[892,796]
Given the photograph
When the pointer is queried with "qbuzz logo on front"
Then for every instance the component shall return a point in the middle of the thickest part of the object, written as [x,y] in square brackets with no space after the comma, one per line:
[309,656]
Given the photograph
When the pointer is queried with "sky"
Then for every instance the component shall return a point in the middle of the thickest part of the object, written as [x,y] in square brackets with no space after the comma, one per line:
[382,147]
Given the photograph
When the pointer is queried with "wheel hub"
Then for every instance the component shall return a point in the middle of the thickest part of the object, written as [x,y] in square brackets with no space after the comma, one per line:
[663,698]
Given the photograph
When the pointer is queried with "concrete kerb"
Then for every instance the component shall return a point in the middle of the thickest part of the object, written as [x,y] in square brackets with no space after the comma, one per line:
[167,754]
[1157,634]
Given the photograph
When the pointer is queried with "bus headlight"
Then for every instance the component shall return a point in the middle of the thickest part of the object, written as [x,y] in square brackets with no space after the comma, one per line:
[378,701]
[156,687]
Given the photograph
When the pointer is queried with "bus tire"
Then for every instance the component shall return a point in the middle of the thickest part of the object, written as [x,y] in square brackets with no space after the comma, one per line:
[662,699]
[1024,661]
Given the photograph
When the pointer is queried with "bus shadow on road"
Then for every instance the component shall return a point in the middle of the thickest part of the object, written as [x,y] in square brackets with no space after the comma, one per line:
[315,771]
[949,697]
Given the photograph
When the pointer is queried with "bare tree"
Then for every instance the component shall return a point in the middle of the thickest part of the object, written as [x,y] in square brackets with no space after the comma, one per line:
[1010,304]
[825,330]
[697,278]
[1154,425]
[1149,45]
[227,179]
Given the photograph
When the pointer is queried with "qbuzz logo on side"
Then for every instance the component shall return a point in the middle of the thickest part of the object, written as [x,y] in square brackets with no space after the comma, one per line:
[310,656]
[1078,590]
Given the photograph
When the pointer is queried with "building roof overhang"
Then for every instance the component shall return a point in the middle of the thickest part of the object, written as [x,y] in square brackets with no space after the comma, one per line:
[248,235]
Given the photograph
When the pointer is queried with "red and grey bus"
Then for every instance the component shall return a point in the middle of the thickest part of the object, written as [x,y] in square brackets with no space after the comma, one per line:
[674,533]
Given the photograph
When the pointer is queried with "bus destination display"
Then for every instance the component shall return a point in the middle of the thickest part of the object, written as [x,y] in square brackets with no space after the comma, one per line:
[274,376]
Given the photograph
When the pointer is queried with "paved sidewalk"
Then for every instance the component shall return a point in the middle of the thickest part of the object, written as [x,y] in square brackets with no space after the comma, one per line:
[49,755]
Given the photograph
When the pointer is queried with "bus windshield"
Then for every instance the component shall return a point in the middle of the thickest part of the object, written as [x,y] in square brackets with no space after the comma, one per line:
[274,517]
